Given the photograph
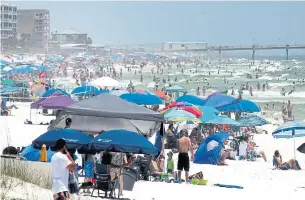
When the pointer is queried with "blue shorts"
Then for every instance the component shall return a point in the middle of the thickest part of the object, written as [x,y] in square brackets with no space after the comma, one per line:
[89,171]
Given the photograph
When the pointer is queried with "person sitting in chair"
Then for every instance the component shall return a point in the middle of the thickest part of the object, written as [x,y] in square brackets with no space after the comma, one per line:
[279,164]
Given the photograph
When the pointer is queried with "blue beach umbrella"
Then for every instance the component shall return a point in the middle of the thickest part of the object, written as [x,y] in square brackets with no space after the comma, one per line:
[251,120]
[85,90]
[141,99]
[191,99]
[219,100]
[241,106]
[74,139]
[31,154]
[122,141]
[223,119]
[208,113]
[290,129]
[210,149]
[53,90]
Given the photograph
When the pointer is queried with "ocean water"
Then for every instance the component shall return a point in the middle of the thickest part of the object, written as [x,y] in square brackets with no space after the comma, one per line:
[279,74]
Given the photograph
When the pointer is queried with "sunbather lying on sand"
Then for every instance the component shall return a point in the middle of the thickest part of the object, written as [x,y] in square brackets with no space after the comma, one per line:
[291,164]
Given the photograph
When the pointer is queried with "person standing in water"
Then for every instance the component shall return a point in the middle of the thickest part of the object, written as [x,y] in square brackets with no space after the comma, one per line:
[183,157]
[289,110]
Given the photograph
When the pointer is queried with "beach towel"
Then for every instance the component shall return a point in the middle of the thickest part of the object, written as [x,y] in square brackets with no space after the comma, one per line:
[229,186]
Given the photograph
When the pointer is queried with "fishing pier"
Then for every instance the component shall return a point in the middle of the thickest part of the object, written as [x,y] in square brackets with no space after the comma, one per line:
[204,47]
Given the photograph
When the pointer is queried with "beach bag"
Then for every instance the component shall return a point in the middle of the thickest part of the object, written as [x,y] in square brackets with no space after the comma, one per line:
[73,184]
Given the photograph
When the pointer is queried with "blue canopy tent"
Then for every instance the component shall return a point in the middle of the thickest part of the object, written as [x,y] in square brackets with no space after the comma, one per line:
[141,99]
[74,139]
[122,141]
[31,154]
[219,100]
[251,120]
[209,150]
[241,106]
[53,90]
[86,90]
[191,99]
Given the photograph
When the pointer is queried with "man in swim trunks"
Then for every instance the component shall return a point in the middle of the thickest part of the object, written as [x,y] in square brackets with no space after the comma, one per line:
[183,157]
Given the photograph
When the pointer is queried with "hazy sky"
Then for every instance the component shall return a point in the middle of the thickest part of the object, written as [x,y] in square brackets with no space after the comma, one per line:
[226,23]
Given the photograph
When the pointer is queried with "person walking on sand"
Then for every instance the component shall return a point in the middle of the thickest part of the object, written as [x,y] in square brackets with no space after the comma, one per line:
[61,164]
[183,157]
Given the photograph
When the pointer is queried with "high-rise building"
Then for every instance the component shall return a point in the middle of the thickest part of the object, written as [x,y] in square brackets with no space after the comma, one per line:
[34,27]
[8,23]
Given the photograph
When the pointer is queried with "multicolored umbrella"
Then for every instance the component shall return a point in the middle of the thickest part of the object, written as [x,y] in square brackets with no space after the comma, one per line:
[180,116]
[177,104]
[193,110]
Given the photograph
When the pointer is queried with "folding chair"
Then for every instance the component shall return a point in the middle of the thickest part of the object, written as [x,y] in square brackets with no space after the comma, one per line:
[103,182]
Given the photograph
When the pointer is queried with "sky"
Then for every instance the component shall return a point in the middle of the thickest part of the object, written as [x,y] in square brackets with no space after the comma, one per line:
[217,23]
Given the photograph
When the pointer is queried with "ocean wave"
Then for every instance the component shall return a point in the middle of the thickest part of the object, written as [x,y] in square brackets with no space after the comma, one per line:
[265,77]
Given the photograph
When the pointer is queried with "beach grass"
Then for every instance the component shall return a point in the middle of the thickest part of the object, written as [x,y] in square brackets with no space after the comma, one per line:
[14,173]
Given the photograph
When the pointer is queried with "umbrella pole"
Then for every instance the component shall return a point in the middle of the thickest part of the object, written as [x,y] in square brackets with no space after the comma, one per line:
[294,148]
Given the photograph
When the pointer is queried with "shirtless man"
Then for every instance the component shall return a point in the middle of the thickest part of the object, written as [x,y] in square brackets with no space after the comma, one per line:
[183,157]
[167,99]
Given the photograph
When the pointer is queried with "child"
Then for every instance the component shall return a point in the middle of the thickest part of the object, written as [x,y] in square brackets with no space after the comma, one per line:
[170,163]
[161,163]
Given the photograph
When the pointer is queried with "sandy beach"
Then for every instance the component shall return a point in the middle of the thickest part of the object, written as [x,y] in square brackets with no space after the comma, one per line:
[258,178]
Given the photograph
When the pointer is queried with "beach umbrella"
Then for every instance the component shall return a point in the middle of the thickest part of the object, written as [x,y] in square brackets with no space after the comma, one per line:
[53,90]
[141,99]
[208,113]
[241,106]
[122,141]
[118,92]
[251,120]
[175,88]
[74,139]
[31,154]
[209,151]
[301,148]
[187,125]
[177,115]
[290,129]
[85,90]
[105,82]
[191,99]
[7,68]
[222,119]
[193,110]
[160,94]
[38,89]
[219,100]
[178,104]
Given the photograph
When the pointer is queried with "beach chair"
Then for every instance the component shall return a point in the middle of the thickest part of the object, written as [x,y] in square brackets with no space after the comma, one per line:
[103,182]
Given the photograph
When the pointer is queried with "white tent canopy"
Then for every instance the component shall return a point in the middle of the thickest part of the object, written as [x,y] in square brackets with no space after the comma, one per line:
[105,82]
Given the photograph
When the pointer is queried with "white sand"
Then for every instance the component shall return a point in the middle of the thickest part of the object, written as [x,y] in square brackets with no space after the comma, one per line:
[257,178]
